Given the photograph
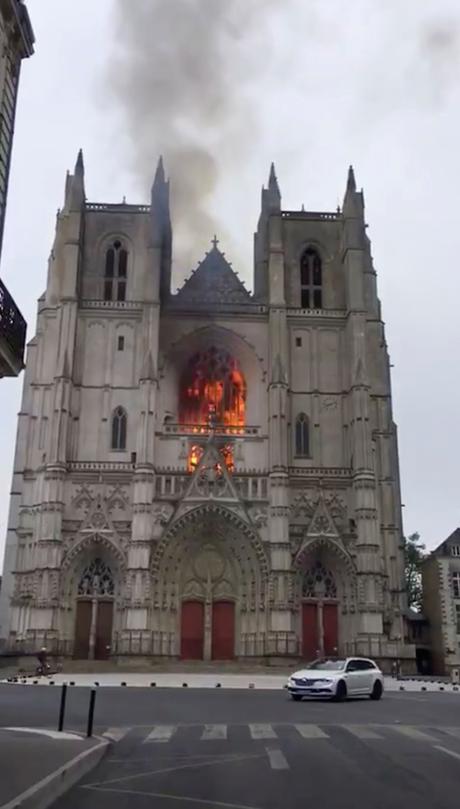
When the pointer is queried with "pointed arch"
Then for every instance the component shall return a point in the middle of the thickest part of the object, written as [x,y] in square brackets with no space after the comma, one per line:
[119,428]
[115,271]
[302,436]
[311,280]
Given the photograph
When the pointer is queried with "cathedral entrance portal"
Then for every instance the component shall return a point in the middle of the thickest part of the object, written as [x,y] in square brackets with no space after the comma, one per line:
[209,576]
[94,613]
[319,613]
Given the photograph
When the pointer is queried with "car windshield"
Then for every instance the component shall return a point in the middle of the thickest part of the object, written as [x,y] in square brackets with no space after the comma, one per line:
[327,664]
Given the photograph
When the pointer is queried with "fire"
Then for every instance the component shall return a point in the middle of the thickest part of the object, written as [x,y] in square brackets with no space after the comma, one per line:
[196,453]
[213,391]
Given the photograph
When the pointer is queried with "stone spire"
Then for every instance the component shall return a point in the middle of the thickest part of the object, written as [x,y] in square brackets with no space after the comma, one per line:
[160,229]
[271,196]
[75,186]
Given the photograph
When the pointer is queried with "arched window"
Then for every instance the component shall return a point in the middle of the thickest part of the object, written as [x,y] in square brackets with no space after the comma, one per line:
[212,390]
[311,280]
[96,580]
[319,583]
[116,269]
[302,442]
[119,425]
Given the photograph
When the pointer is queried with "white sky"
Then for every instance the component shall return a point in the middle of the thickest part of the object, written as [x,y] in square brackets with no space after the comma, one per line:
[375,84]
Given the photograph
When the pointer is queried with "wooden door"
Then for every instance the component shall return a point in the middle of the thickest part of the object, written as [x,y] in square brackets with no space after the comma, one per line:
[192,630]
[223,630]
[310,640]
[103,630]
[330,629]
[82,630]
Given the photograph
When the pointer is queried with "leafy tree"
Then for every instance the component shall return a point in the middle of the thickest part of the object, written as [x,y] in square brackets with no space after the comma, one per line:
[414,554]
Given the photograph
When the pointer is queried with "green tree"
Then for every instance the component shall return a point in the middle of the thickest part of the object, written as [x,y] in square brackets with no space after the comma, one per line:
[414,554]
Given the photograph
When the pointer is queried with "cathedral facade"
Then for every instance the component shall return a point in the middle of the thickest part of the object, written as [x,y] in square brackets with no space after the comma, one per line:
[211,474]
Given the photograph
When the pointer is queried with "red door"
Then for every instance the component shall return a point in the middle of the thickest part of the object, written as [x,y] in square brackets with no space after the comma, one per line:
[330,627]
[82,630]
[223,630]
[192,630]
[310,641]
[103,630]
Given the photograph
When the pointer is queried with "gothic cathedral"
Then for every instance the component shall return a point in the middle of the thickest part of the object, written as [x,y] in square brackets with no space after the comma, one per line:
[211,474]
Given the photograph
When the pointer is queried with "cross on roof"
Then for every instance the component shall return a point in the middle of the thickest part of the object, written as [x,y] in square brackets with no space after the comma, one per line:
[215,241]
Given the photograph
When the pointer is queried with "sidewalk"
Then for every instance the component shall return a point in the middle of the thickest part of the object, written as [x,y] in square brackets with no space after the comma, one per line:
[38,766]
[205,680]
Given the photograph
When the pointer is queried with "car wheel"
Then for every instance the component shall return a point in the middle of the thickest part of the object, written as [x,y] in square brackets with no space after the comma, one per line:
[377,690]
[340,692]
[296,697]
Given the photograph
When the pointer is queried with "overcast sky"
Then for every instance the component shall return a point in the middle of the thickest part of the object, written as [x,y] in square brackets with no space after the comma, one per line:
[372,83]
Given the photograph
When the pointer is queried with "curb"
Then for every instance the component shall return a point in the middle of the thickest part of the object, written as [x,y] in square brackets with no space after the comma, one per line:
[49,789]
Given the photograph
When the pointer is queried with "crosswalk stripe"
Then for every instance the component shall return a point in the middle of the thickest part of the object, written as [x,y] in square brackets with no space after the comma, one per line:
[362,732]
[214,732]
[413,733]
[311,732]
[276,759]
[262,732]
[116,734]
[160,733]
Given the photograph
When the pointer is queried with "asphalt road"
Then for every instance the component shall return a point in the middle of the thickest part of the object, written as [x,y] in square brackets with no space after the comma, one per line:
[220,749]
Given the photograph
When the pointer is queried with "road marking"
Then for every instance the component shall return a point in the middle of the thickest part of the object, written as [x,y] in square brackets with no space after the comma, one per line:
[116,734]
[51,734]
[451,731]
[413,733]
[215,761]
[276,759]
[446,750]
[214,732]
[311,732]
[160,733]
[262,732]
[166,796]
[362,731]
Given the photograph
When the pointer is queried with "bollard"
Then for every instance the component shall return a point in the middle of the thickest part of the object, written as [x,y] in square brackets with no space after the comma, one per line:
[92,701]
[62,707]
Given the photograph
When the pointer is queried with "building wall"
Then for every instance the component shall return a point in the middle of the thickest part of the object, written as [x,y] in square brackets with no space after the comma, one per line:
[16,43]
[440,603]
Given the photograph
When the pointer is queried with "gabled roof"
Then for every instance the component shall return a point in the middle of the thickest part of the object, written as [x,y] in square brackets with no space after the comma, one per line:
[213,281]
[444,547]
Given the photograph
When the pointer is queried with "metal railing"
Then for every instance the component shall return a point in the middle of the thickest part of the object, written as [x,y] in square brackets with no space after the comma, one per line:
[12,326]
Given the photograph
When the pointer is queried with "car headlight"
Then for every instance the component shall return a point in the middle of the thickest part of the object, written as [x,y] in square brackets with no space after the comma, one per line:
[324,681]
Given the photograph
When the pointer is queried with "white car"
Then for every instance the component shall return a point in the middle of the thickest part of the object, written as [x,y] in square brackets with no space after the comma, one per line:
[337,678]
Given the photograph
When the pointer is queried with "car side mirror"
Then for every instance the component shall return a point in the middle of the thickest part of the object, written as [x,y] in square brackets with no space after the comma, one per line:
[351,667]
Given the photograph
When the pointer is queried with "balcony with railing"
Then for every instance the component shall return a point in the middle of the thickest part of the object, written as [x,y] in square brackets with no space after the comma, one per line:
[12,335]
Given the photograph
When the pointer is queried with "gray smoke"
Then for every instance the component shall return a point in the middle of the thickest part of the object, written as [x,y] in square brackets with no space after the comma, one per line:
[182,73]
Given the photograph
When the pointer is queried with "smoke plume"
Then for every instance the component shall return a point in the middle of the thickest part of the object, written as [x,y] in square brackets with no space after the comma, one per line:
[182,72]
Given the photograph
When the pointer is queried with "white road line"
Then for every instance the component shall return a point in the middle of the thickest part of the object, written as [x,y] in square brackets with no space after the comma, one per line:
[276,759]
[214,732]
[451,731]
[446,750]
[160,733]
[311,732]
[362,731]
[116,734]
[413,733]
[262,732]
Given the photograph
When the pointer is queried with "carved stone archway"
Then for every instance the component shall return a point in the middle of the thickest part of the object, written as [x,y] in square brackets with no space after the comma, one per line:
[92,576]
[210,555]
[326,593]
